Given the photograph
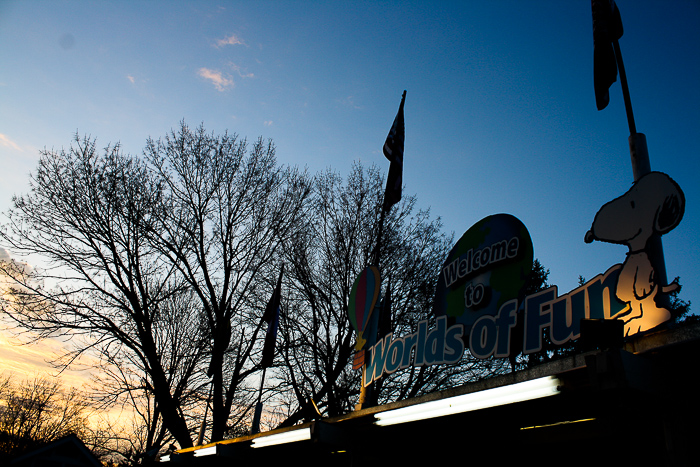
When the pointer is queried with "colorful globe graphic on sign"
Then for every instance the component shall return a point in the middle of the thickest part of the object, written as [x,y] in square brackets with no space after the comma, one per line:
[487,267]
[363,297]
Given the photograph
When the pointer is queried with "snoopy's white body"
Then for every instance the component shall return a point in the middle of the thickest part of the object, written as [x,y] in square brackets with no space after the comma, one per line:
[638,286]
[653,206]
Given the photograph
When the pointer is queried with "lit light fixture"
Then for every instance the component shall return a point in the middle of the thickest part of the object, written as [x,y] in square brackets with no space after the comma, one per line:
[519,392]
[566,422]
[282,438]
[208,451]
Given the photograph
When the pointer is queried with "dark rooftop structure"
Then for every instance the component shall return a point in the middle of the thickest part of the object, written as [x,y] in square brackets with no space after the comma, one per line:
[633,404]
[68,451]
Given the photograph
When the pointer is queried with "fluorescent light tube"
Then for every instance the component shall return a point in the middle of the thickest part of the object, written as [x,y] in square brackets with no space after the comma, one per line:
[282,438]
[210,451]
[519,392]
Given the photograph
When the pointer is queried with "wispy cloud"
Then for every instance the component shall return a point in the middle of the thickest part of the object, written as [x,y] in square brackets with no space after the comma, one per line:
[241,72]
[267,123]
[230,40]
[19,266]
[220,81]
[350,102]
[131,79]
[8,143]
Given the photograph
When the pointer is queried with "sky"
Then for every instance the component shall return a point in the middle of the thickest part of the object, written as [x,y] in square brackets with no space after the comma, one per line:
[500,109]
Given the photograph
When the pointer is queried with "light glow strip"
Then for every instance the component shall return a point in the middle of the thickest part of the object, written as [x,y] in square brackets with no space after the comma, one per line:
[210,451]
[282,438]
[567,422]
[519,392]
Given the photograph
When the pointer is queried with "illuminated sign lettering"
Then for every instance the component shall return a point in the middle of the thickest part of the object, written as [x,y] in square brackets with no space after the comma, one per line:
[442,344]
[472,262]
[491,335]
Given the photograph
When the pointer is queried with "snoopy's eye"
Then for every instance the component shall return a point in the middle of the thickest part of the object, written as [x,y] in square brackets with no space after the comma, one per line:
[632,204]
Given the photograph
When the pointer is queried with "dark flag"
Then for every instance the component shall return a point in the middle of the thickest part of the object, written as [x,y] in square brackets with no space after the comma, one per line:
[607,28]
[385,324]
[393,150]
[271,317]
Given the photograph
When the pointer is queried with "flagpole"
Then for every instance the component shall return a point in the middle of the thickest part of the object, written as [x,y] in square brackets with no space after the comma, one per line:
[625,88]
[368,394]
[271,316]
[203,426]
[378,246]
[641,165]
[255,428]
[393,146]
[383,327]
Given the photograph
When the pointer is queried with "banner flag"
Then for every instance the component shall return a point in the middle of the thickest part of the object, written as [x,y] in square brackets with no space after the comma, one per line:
[607,28]
[271,317]
[393,150]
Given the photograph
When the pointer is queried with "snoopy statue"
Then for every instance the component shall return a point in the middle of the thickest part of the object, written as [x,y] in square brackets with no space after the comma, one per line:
[654,205]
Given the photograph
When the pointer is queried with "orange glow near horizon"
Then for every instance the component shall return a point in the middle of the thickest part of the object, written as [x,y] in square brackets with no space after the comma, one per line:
[24,357]
[28,360]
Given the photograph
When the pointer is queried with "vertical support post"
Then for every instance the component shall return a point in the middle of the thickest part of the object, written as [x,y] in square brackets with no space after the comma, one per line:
[255,428]
[203,425]
[641,166]
[368,394]
[640,155]
[625,88]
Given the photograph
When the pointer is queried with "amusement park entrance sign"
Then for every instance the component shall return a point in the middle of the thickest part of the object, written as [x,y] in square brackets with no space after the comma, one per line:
[492,335]
[480,300]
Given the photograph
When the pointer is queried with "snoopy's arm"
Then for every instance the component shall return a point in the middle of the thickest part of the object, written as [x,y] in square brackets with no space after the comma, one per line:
[672,287]
[644,281]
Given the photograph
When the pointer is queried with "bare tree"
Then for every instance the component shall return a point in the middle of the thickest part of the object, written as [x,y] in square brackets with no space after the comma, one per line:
[88,217]
[229,210]
[159,265]
[324,260]
[38,411]
[122,381]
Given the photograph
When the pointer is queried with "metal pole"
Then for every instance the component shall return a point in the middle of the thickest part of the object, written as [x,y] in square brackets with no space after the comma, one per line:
[258,406]
[641,165]
[203,426]
[625,88]
[368,394]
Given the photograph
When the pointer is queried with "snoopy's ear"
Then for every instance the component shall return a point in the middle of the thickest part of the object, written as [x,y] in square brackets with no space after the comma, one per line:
[670,213]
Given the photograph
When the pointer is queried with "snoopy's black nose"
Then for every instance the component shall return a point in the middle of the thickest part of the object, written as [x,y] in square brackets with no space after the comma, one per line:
[589,237]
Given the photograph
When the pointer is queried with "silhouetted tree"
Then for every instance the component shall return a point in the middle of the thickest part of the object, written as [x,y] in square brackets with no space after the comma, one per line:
[680,309]
[36,412]
[153,266]
[88,217]
[229,210]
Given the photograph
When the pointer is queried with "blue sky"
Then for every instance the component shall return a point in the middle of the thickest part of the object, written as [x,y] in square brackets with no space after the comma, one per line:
[500,108]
